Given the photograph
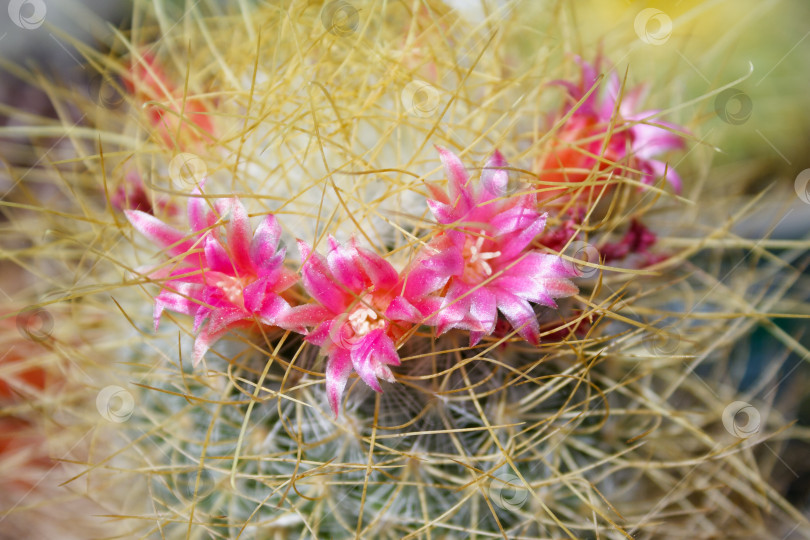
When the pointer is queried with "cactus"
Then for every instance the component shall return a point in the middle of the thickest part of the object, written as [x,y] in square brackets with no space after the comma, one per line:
[621,420]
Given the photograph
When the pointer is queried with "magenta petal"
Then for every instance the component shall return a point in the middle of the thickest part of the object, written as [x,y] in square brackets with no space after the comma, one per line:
[228,317]
[204,341]
[379,271]
[159,232]
[255,295]
[239,237]
[338,368]
[273,311]
[455,307]
[401,310]
[179,300]
[198,215]
[429,307]
[440,259]
[285,280]
[322,334]
[520,315]
[265,241]
[527,288]
[526,226]
[306,315]
[650,140]
[483,309]
[320,284]
[458,180]
[442,212]
[475,337]
[342,265]
[494,178]
[216,257]
[370,354]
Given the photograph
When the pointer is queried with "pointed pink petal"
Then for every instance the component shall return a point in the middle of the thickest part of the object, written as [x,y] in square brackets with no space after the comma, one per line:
[285,280]
[443,213]
[494,178]
[343,266]
[338,368]
[273,311]
[198,214]
[320,284]
[401,310]
[437,193]
[475,337]
[379,271]
[520,315]
[178,299]
[162,234]
[651,140]
[239,237]
[322,334]
[483,309]
[306,315]
[209,334]
[525,225]
[265,242]
[255,295]
[370,353]
[216,257]
[439,260]
[454,310]
[458,182]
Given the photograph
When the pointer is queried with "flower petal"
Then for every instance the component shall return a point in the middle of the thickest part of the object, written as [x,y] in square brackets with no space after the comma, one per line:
[523,226]
[239,237]
[319,282]
[520,315]
[379,271]
[306,315]
[494,178]
[460,196]
[342,264]
[338,368]
[179,298]
[175,242]
[265,242]
[216,257]
[483,310]
[370,353]
[273,311]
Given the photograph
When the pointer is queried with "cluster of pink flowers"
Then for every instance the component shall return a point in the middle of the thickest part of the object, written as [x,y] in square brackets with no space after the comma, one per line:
[480,261]
[604,133]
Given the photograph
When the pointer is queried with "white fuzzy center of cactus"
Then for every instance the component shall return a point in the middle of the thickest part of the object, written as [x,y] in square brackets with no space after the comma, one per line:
[476,265]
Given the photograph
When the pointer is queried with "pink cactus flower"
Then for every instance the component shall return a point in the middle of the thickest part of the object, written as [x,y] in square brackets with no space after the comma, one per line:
[482,264]
[353,288]
[223,281]
[627,138]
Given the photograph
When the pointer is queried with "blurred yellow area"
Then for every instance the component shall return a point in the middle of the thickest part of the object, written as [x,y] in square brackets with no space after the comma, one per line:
[691,48]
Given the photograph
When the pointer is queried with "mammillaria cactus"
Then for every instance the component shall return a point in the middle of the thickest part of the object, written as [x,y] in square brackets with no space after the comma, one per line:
[353,269]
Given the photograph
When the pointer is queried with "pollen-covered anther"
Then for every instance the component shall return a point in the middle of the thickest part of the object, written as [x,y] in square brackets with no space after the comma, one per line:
[233,287]
[476,265]
[364,319]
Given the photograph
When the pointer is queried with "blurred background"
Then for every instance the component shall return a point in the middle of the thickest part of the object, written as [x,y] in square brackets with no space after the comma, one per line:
[737,70]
